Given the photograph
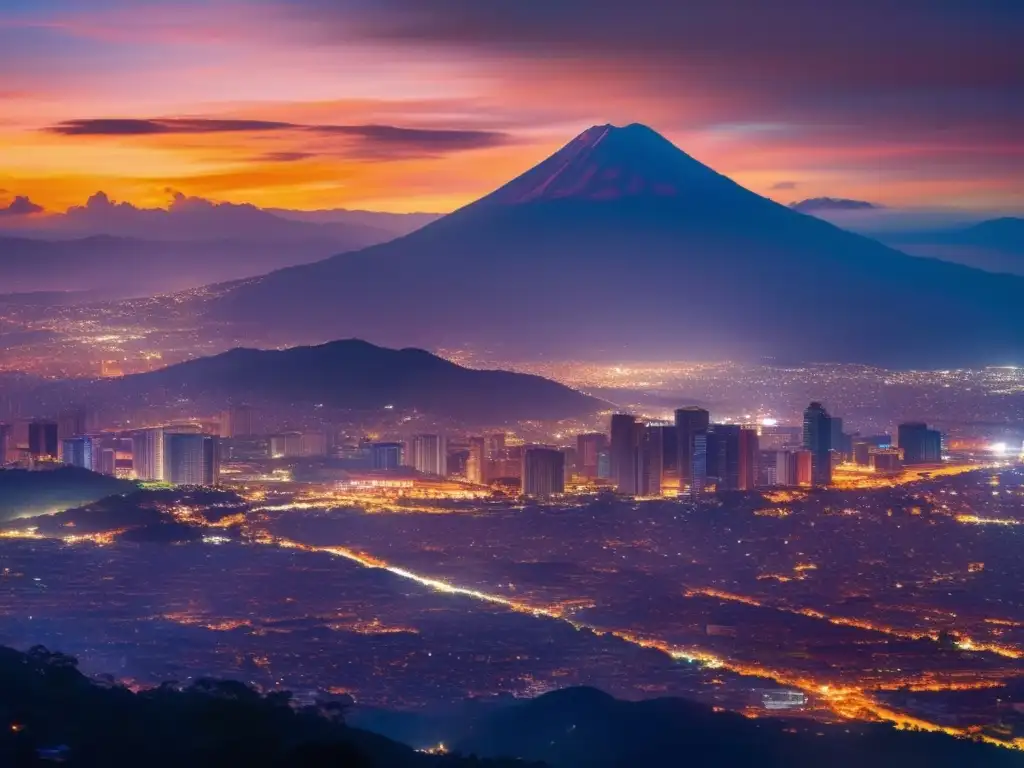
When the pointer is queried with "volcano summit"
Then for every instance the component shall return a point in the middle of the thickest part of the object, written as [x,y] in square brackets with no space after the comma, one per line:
[620,244]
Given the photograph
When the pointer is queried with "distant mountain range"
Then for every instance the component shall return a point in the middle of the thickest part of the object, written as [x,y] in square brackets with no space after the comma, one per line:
[28,494]
[996,245]
[622,246]
[121,249]
[356,375]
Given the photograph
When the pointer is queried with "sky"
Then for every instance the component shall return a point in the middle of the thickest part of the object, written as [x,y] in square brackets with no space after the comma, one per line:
[425,105]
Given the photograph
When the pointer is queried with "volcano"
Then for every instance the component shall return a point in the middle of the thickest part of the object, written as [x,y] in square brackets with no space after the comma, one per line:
[620,245]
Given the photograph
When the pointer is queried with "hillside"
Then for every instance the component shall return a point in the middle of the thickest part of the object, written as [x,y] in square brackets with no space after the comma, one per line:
[356,375]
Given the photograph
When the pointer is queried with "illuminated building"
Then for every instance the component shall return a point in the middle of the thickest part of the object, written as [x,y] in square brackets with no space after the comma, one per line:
[42,440]
[494,445]
[295,445]
[72,423]
[690,422]
[842,445]
[429,454]
[788,468]
[387,455]
[919,444]
[476,462]
[107,463]
[698,468]
[588,452]
[626,454]
[886,459]
[76,452]
[148,455]
[862,448]
[604,464]
[818,440]
[191,459]
[658,458]
[543,472]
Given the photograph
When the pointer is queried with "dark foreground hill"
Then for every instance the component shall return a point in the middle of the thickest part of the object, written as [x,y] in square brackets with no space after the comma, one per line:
[583,727]
[27,494]
[360,376]
[622,246]
[50,712]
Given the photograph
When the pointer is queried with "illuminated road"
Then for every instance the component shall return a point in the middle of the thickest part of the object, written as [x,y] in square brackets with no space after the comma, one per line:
[846,702]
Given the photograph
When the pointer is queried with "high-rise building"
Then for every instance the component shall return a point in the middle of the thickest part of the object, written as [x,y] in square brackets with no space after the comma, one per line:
[148,455]
[298,445]
[790,467]
[690,422]
[919,444]
[698,468]
[626,455]
[543,472]
[732,457]
[429,454]
[818,440]
[77,452]
[387,455]
[5,444]
[494,445]
[72,423]
[861,447]
[588,452]
[42,440]
[191,459]
[476,462]
[651,469]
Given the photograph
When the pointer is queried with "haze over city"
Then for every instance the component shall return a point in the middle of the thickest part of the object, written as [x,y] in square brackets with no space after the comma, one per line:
[566,384]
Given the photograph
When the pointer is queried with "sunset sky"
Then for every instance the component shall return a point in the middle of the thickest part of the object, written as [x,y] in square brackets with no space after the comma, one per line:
[409,105]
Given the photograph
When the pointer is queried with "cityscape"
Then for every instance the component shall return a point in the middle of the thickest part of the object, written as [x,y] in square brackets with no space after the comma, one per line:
[582,384]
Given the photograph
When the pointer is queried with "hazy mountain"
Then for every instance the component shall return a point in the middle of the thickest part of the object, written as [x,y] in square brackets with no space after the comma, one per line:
[122,249]
[622,245]
[357,375]
[996,245]
[584,727]
[118,266]
[814,205]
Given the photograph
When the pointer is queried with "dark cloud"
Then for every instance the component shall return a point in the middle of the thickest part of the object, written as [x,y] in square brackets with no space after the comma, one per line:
[20,206]
[136,127]
[784,185]
[367,141]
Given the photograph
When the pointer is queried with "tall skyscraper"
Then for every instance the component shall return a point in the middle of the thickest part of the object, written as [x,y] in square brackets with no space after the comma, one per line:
[626,460]
[588,451]
[919,444]
[658,458]
[42,440]
[690,422]
[191,459]
[429,454]
[543,472]
[77,452]
[732,457]
[818,440]
[148,455]
[387,455]
[476,463]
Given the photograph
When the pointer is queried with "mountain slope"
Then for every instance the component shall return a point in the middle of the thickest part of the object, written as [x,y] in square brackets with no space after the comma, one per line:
[357,375]
[622,245]
[584,727]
